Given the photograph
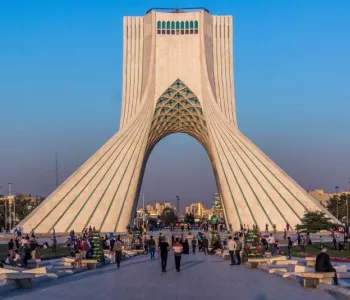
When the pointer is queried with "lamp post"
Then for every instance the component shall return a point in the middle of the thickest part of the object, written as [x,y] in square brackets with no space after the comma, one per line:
[177,204]
[336,190]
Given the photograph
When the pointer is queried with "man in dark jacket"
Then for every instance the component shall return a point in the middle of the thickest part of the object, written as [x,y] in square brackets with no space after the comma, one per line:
[323,264]
[205,245]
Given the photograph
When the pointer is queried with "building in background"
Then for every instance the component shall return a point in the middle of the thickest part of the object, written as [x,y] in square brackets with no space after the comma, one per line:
[149,208]
[323,197]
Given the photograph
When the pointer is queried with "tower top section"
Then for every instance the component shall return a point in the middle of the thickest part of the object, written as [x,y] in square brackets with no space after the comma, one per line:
[177,10]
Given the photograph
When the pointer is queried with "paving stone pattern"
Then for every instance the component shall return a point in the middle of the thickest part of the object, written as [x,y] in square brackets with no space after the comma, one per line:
[202,277]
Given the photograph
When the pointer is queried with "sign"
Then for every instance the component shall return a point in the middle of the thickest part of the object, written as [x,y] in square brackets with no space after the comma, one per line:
[214,220]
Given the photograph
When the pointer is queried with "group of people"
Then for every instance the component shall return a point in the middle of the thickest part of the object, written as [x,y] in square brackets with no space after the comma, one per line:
[21,250]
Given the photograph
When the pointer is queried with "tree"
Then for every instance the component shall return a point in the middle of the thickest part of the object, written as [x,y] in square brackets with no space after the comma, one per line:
[339,201]
[168,216]
[189,218]
[314,221]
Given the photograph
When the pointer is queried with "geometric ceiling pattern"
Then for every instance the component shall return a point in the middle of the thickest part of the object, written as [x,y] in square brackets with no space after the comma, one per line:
[178,110]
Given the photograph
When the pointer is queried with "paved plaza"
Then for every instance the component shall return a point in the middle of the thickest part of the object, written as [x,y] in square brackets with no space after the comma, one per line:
[202,277]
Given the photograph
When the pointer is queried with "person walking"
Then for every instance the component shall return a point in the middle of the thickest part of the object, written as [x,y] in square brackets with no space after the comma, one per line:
[11,247]
[205,245]
[285,234]
[164,249]
[177,254]
[298,238]
[172,239]
[33,244]
[238,250]
[145,244]
[232,247]
[334,247]
[117,249]
[266,228]
[271,241]
[302,244]
[289,249]
[152,247]
[54,244]
[321,241]
[194,245]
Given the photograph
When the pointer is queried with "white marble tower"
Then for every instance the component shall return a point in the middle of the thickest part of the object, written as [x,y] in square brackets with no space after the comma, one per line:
[177,77]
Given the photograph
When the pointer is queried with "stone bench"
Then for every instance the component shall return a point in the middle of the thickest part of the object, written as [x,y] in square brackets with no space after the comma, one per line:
[90,263]
[253,263]
[33,263]
[313,279]
[22,280]
[68,262]
[310,261]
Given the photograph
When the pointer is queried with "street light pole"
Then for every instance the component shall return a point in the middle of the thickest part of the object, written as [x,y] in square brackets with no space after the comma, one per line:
[177,204]
[336,190]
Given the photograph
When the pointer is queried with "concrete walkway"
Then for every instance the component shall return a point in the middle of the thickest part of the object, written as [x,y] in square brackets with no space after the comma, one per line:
[202,277]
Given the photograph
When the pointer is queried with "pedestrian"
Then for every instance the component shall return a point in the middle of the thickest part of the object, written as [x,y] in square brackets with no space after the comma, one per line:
[205,245]
[11,246]
[164,249]
[177,254]
[266,228]
[289,249]
[54,244]
[298,238]
[145,244]
[323,264]
[334,247]
[287,227]
[271,241]
[26,254]
[302,244]
[111,244]
[152,247]
[194,245]
[321,242]
[238,250]
[285,234]
[224,243]
[186,247]
[117,248]
[33,246]
[232,247]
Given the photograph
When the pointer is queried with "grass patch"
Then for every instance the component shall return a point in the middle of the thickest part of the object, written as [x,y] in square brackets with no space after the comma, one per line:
[315,249]
[62,251]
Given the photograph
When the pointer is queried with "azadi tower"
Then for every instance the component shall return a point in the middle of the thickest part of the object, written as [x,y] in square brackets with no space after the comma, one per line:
[177,77]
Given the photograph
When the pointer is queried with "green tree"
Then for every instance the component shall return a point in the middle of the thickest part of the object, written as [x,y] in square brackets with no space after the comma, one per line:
[315,221]
[168,216]
[339,201]
[189,219]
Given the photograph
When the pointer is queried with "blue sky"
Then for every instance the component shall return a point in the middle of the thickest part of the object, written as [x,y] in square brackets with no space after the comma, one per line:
[60,90]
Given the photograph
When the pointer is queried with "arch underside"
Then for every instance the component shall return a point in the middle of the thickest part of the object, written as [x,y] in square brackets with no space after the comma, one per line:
[103,192]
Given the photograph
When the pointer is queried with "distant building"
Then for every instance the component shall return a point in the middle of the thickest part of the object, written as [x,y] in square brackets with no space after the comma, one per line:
[160,208]
[149,208]
[323,197]
[196,209]
[167,205]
